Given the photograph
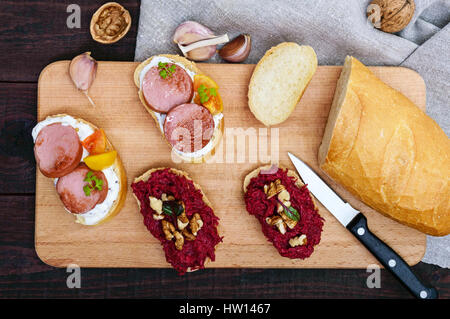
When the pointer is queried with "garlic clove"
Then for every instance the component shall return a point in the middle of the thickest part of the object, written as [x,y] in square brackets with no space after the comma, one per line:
[202,54]
[82,71]
[237,50]
[189,32]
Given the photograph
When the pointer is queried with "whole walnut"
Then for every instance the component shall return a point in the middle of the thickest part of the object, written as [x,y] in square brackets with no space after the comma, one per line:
[390,15]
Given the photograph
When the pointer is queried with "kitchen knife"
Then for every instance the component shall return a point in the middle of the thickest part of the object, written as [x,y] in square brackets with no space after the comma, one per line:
[356,223]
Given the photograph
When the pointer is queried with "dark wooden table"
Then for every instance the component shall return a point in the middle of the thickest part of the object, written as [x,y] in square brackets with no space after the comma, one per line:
[34,34]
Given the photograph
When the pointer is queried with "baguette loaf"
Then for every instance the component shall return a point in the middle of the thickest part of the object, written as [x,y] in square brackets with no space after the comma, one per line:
[387,152]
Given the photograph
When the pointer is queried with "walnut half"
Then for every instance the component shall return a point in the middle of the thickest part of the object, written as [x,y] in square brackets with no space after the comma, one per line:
[110,23]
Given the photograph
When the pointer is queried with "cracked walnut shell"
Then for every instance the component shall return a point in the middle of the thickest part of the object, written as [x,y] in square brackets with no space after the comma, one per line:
[110,23]
[390,15]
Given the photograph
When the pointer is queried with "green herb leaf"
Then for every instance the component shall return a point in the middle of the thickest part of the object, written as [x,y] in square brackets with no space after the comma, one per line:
[172,207]
[94,183]
[166,209]
[166,71]
[292,213]
[87,190]
[212,92]
[88,177]
[163,74]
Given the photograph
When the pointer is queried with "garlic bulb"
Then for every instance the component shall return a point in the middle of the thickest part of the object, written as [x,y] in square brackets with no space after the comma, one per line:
[82,71]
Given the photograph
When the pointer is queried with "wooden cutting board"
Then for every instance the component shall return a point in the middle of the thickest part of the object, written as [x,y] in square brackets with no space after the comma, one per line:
[125,241]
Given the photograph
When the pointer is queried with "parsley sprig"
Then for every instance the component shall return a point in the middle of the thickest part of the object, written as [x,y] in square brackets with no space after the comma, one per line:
[94,183]
[171,208]
[205,93]
[166,70]
[290,211]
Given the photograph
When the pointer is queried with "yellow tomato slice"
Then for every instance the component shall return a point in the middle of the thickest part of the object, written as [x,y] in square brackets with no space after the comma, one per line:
[214,103]
[200,79]
[100,161]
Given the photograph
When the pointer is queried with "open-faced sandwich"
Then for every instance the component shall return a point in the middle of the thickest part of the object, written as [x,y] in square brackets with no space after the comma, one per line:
[178,214]
[87,172]
[185,104]
[286,210]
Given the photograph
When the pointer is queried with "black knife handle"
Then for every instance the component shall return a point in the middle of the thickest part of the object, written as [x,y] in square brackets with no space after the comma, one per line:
[389,258]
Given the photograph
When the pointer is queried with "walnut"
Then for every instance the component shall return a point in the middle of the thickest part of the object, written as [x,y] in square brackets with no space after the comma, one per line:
[195,224]
[156,204]
[168,229]
[182,221]
[186,233]
[298,241]
[289,222]
[179,240]
[274,188]
[278,222]
[284,196]
[110,23]
[390,15]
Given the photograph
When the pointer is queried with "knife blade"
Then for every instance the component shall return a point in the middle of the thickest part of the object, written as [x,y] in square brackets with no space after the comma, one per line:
[356,223]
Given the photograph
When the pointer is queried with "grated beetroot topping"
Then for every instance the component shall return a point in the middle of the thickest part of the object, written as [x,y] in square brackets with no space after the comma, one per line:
[194,253]
[310,222]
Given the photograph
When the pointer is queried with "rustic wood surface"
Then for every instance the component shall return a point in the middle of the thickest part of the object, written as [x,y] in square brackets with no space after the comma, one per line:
[32,35]
[125,242]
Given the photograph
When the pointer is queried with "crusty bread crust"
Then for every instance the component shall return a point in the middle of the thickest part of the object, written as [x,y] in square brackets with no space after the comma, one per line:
[387,152]
[271,76]
[191,66]
[144,177]
[118,169]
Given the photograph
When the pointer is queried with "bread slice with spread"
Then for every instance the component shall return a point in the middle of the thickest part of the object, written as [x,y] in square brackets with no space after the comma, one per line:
[179,215]
[86,170]
[285,209]
[185,104]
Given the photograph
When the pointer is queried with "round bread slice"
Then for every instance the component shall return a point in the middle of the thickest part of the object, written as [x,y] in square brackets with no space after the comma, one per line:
[118,169]
[191,66]
[279,81]
[144,177]
[255,172]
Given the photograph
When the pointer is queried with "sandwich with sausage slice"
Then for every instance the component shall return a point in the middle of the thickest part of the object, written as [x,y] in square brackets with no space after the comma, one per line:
[86,170]
[185,104]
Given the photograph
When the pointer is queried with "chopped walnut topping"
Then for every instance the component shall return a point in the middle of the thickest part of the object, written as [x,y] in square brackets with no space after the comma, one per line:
[179,240]
[195,224]
[289,222]
[284,196]
[182,221]
[278,222]
[168,229]
[298,241]
[156,204]
[274,188]
[186,233]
